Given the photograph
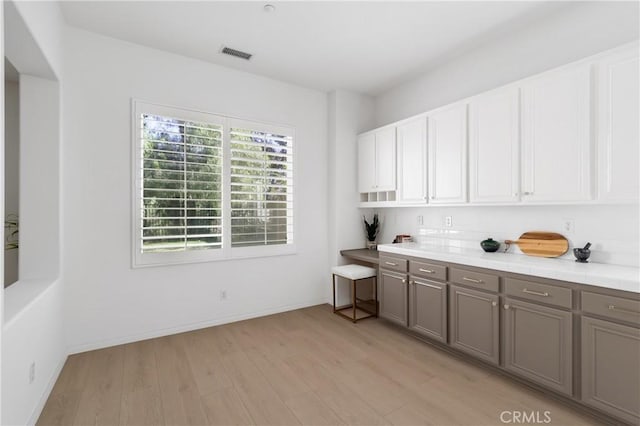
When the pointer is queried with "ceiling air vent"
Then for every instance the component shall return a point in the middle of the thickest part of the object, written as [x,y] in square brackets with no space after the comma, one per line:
[236,53]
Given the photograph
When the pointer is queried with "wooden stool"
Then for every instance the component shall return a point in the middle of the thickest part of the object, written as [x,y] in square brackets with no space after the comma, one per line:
[355,273]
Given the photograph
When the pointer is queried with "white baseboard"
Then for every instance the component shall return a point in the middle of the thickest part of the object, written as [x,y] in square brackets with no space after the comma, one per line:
[187,327]
[37,410]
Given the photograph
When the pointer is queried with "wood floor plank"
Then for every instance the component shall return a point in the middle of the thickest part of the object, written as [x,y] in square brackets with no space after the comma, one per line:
[60,409]
[181,404]
[100,400]
[310,410]
[206,364]
[282,379]
[224,407]
[263,404]
[141,403]
[307,366]
[62,405]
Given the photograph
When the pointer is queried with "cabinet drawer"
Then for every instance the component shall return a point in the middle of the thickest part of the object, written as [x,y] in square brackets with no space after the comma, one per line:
[553,295]
[474,279]
[428,270]
[393,263]
[611,307]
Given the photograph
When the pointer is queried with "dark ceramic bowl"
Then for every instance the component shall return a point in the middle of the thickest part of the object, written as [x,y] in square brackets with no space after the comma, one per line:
[490,245]
[581,254]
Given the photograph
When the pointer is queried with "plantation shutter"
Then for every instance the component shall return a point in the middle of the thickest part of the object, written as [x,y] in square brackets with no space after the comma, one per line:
[181,189]
[261,189]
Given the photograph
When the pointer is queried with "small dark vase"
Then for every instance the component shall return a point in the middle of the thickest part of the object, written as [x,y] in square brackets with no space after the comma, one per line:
[490,245]
[581,254]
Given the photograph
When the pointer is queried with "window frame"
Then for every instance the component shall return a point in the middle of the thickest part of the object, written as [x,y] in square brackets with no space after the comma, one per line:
[226,252]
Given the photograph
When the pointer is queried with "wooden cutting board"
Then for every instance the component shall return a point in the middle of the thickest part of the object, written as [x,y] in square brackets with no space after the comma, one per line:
[541,244]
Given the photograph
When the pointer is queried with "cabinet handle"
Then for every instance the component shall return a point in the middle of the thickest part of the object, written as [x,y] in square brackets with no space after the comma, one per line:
[494,303]
[624,311]
[545,294]
[527,193]
[391,264]
[404,281]
[428,285]
[506,306]
[428,271]
[473,280]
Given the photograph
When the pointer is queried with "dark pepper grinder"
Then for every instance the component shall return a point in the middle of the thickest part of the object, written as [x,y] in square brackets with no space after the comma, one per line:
[582,254]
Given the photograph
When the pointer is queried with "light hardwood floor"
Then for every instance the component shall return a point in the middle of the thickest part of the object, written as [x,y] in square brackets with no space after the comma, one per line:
[301,367]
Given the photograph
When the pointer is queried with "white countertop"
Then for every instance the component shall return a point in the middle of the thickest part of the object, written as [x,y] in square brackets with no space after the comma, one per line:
[616,277]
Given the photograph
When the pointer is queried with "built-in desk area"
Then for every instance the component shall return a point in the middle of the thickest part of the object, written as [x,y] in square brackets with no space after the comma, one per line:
[362,255]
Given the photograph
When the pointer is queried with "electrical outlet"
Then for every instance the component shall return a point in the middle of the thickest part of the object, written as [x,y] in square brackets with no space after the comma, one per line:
[420,220]
[32,372]
[223,294]
[568,226]
[448,221]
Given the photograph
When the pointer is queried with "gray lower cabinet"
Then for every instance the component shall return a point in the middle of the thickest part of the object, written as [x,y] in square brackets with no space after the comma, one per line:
[393,296]
[611,368]
[428,308]
[474,317]
[537,344]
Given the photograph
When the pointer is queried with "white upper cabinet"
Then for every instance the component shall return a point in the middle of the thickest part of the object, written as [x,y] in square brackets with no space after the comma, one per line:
[618,116]
[556,143]
[386,159]
[377,161]
[412,161]
[447,146]
[366,163]
[494,147]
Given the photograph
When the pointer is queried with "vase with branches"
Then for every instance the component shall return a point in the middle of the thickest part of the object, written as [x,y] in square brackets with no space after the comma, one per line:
[371,230]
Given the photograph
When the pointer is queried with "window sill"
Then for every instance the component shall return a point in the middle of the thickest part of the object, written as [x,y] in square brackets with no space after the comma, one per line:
[228,255]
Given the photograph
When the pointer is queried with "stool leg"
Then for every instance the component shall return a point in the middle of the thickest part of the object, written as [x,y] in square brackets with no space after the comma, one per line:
[333,279]
[375,293]
[353,298]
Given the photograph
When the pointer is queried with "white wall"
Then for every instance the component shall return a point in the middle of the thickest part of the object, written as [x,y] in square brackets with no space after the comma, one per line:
[349,114]
[32,329]
[12,170]
[33,335]
[575,31]
[39,179]
[108,302]
[613,230]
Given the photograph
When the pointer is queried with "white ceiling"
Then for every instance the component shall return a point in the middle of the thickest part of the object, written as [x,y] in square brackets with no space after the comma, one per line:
[367,47]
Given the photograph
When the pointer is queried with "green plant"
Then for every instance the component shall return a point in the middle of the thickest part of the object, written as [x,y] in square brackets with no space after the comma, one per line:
[11,225]
[372,228]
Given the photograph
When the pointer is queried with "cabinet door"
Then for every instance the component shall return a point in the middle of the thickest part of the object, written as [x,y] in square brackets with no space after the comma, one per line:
[428,308]
[366,163]
[412,161]
[393,297]
[537,344]
[447,147]
[619,126]
[494,147]
[386,159]
[611,368]
[474,317]
[556,146]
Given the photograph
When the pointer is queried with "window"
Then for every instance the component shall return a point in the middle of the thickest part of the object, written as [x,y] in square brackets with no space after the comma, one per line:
[261,188]
[209,187]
